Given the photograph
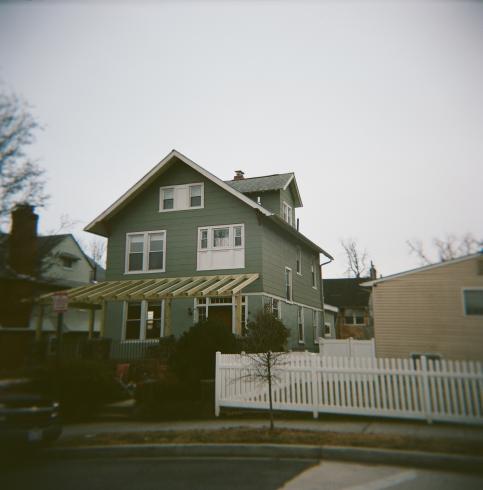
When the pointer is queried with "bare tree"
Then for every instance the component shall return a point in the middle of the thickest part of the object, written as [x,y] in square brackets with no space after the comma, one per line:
[356,258]
[21,179]
[97,250]
[266,343]
[447,248]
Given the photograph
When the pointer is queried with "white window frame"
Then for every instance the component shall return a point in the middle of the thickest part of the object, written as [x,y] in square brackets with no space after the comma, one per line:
[144,321]
[287,213]
[270,303]
[329,327]
[298,260]
[354,316]
[463,302]
[145,269]
[300,322]
[290,300]
[231,237]
[177,205]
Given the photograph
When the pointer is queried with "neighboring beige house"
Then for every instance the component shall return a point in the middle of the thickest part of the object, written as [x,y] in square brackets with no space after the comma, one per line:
[437,310]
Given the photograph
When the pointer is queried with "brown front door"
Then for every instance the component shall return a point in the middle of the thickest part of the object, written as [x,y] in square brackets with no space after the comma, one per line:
[221,313]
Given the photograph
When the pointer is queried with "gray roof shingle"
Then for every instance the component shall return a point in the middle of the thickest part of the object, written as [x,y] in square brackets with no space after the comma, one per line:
[260,184]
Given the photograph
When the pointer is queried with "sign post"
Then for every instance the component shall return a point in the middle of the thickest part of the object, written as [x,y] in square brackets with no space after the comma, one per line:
[60,305]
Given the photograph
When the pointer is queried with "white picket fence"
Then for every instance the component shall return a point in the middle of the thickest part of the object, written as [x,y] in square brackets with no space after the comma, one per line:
[403,388]
[347,347]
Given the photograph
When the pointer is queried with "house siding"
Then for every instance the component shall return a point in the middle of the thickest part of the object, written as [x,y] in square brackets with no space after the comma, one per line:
[142,214]
[423,312]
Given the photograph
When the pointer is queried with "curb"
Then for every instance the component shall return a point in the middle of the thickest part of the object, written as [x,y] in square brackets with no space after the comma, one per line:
[336,453]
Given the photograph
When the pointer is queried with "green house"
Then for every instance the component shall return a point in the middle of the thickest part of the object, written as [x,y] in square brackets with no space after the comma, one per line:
[184,245]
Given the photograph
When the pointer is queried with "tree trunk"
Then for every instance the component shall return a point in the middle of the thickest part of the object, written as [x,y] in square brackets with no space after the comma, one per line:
[269,370]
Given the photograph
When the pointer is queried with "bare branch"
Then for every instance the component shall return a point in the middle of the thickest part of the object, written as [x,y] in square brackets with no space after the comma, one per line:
[356,259]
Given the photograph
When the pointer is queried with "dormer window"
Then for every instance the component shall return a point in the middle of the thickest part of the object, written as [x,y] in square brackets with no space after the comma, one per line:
[287,213]
[181,197]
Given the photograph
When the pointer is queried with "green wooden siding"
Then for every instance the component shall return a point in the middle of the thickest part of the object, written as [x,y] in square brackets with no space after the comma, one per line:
[220,208]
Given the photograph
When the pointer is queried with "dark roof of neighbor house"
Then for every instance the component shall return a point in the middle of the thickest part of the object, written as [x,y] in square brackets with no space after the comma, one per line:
[45,244]
[346,292]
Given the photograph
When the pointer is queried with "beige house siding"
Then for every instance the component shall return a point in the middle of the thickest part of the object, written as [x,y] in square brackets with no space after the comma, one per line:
[423,312]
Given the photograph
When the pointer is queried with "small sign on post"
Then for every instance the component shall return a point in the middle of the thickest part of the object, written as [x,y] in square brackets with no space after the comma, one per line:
[60,302]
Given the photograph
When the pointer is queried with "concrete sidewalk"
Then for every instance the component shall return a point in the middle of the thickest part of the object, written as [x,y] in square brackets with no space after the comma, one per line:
[355,426]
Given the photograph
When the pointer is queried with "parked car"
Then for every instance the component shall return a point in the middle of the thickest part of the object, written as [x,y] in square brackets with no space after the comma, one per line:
[27,415]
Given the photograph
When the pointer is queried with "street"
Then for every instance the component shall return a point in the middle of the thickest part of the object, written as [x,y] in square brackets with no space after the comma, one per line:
[221,473]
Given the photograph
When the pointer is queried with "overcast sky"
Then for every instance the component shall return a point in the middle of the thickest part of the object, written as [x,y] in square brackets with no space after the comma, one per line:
[376,106]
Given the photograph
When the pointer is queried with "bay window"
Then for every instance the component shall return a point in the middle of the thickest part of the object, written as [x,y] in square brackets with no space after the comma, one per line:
[221,247]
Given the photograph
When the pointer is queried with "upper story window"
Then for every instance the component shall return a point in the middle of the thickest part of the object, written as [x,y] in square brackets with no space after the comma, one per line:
[67,262]
[287,213]
[221,247]
[313,275]
[146,251]
[473,301]
[299,260]
[354,317]
[181,197]
[288,283]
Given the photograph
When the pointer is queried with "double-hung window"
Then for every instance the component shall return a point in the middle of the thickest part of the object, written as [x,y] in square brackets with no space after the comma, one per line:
[299,261]
[146,252]
[287,213]
[143,320]
[315,324]
[181,197]
[313,275]
[221,247]
[273,306]
[354,317]
[300,324]
[288,284]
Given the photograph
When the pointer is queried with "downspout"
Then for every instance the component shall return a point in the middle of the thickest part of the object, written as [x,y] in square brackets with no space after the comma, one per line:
[322,292]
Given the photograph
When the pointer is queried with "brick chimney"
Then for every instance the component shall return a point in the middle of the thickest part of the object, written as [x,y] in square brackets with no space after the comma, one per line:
[23,248]
[239,175]
[372,272]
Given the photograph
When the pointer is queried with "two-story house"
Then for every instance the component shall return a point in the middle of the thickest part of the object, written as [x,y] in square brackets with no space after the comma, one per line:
[184,245]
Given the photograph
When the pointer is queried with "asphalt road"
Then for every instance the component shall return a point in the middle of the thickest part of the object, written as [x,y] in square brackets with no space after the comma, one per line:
[221,473]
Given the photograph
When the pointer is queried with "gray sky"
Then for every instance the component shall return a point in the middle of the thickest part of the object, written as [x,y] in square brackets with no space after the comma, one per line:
[376,106]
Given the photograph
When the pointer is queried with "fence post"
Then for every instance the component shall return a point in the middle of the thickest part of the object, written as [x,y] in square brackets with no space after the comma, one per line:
[217,383]
[373,347]
[315,385]
[426,394]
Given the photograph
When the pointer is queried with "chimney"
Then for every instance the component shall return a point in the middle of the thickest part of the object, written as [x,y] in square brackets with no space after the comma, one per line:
[23,240]
[239,175]
[372,272]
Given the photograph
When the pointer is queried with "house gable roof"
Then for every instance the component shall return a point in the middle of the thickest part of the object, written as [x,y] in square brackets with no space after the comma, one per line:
[97,226]
[266,183]
[423,269]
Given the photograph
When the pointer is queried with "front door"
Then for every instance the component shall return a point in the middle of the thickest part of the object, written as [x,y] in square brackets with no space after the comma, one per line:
[221,313]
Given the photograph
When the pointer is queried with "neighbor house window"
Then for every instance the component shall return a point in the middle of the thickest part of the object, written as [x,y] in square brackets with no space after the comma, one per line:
[288,283]
[300,323]
[327,332]
[143,320]
[287,213]
[473,301]
[67,262]
[181,197]
[146,252]
[354,317]
[299,260]
[221,247]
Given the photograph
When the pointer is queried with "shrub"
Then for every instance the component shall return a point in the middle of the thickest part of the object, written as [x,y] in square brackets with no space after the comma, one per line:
[194,356]
[266,333]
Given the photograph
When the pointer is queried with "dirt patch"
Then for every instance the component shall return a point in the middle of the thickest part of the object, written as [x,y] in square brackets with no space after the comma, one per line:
[278,436]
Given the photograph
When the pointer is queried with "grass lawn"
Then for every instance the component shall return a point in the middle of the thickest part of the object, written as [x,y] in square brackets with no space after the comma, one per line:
[278,436]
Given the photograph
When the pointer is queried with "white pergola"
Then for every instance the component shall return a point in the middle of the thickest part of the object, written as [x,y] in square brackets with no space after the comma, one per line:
[95,296]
